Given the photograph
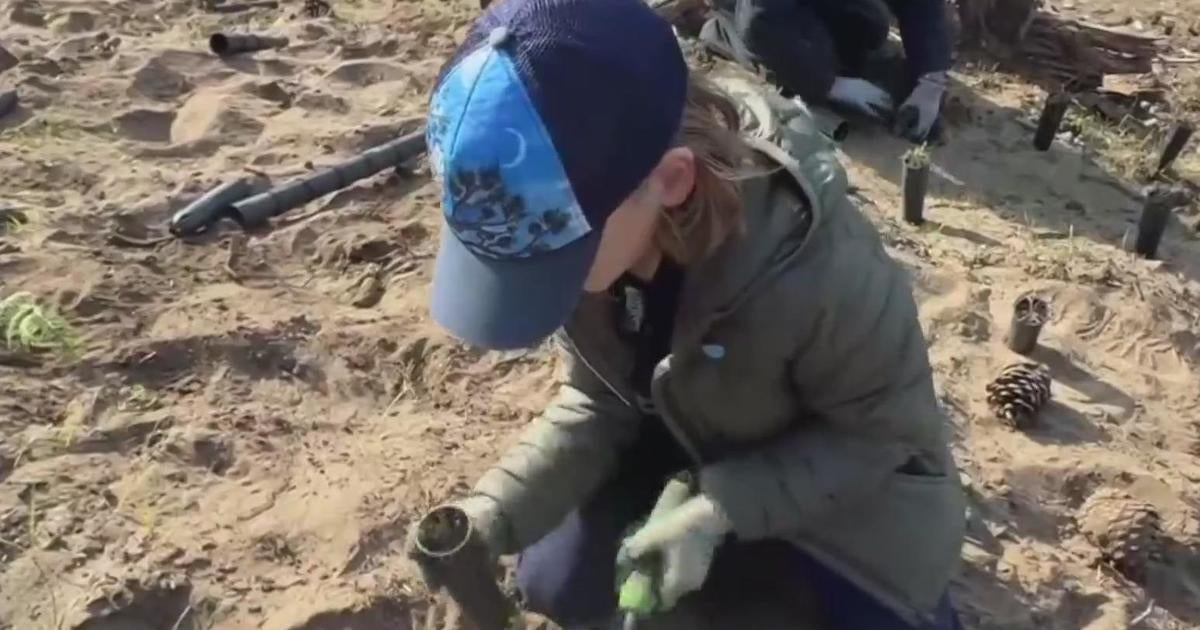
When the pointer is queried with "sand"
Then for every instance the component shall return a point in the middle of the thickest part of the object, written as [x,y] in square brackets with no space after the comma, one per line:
[254,418]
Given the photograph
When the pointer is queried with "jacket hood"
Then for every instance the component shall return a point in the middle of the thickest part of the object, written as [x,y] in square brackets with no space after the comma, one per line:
[781,208]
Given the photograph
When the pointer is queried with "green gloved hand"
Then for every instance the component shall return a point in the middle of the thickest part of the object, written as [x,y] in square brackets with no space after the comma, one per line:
[677,546]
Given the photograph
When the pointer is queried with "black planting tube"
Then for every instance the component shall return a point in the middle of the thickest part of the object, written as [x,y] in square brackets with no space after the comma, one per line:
[1179,139]
[452,555]
[8,102]
[255,211]
[1052,115]
[202,213]
[223,44]
[1030,313]
[833,126]
[1160,201]
[915,181]
[244,6]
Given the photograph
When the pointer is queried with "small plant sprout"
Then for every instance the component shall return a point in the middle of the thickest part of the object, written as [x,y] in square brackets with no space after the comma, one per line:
[138,398]
[915,182]
[31,327]
[917,157]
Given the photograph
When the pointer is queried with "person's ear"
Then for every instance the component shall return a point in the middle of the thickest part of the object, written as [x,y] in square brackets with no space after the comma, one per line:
[675,176]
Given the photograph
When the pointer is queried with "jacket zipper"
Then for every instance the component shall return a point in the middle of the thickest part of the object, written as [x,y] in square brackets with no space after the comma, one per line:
[579,354]
[660,372]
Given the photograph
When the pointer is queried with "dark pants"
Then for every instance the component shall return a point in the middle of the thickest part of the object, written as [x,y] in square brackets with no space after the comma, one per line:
[569,575]
[804,44]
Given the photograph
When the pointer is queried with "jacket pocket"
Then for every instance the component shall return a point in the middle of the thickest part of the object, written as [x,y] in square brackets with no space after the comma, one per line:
[903,547]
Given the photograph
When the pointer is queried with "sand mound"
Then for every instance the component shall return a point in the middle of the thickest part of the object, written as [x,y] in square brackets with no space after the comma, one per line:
[210,115]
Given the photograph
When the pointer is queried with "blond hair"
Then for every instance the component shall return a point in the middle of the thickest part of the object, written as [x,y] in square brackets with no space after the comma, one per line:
[713,212]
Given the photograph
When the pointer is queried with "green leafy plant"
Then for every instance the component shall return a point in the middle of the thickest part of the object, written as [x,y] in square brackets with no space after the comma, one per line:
[30,327]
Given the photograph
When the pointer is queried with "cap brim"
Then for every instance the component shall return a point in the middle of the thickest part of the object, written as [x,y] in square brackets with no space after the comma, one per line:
[510,303]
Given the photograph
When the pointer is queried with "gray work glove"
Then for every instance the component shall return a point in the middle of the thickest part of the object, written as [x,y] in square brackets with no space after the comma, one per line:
[684,539]
[861,95]
[918,113]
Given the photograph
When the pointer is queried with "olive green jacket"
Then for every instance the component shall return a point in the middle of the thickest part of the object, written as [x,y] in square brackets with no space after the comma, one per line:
[798,381]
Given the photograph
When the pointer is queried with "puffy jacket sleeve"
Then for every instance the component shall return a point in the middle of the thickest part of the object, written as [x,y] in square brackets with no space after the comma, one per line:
[561,458]
[860,367]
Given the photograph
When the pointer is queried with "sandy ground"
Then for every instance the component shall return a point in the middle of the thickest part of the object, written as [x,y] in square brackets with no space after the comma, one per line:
[255,417]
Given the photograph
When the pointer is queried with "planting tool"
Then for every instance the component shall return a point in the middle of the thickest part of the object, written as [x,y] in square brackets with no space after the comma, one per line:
[1052,116]
[223,44]
[1030,313]
[1179,139]
[454,558]
[637,598]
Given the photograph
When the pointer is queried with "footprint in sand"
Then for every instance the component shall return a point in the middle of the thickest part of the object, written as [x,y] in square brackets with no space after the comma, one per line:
[363,73]
[74,22]
[212,115]
[321,102]
[155,81]
[145,125]
[28,14]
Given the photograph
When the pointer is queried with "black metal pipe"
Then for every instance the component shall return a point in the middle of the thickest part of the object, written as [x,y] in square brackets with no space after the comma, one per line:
[202,213]
[1030,313]
[255,211]
[243,6]
[452,555]
[1179,139]
[1051,119]
[8,102]
[223,44]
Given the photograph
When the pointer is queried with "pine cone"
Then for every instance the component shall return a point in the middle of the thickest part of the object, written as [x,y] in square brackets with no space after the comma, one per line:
[1021,390]
[1128,532]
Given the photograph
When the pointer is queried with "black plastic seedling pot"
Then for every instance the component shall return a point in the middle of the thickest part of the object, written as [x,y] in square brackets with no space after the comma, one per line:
[1153,222]
[452,555]
[915,182]
[222,44]
[1051,119]
[1179,139]
[1030,313]
[8,102]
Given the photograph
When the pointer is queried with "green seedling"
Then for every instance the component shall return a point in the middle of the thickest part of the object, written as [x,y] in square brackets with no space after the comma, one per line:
[917,157]
[138,398]
[31,327]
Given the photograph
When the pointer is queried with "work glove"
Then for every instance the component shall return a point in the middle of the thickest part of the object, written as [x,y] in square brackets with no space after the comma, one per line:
[918,113]
[861,95]
[680,543]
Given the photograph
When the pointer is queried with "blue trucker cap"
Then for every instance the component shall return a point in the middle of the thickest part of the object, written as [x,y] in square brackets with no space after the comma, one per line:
[547,117]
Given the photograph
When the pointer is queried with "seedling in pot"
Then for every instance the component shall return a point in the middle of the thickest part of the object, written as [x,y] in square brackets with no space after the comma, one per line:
[915,182]
[1030,313]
